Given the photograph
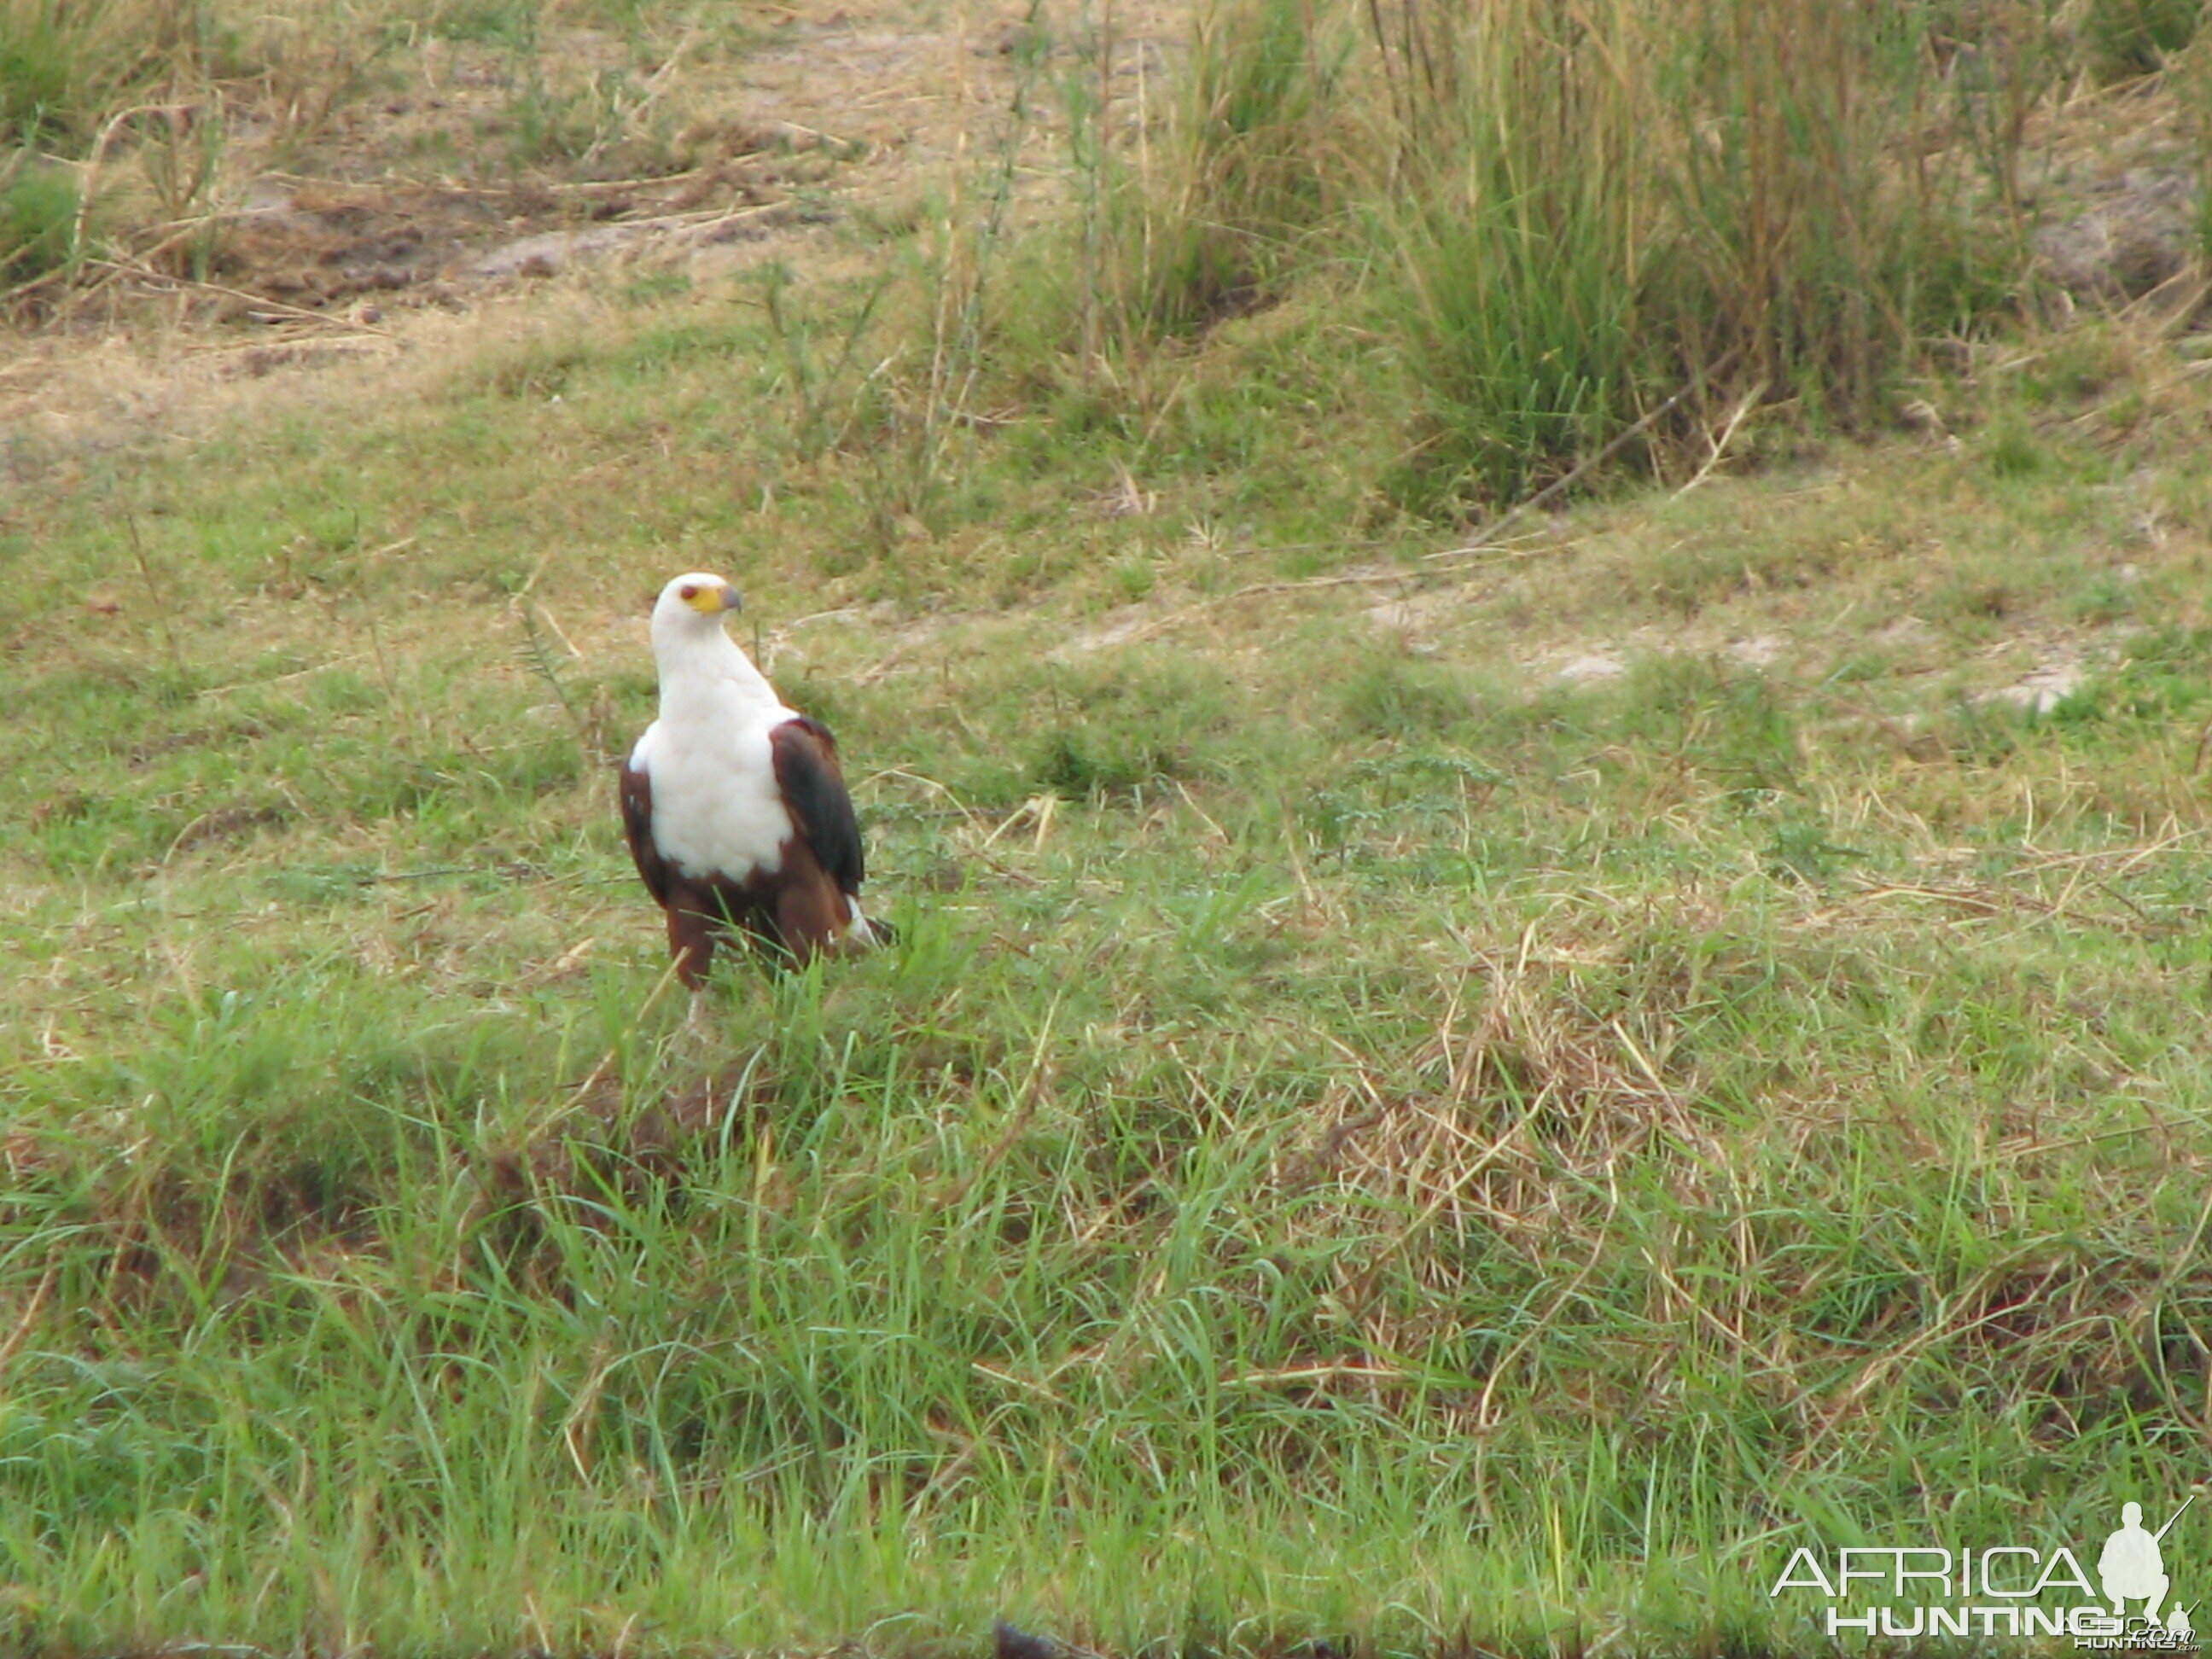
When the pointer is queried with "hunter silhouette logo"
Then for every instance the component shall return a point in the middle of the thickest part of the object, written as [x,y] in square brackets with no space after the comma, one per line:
[2131,1568]
[2007,1589]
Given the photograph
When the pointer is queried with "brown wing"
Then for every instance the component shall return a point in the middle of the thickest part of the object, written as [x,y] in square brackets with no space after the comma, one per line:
[813,786]
[637,823]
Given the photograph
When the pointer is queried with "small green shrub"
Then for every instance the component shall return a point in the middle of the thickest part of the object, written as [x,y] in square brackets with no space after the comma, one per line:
[37,223]
[2130,38]
[66,65]
[35,80]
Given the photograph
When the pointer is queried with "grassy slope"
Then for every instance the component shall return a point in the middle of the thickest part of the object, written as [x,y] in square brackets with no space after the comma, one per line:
[1360,1138]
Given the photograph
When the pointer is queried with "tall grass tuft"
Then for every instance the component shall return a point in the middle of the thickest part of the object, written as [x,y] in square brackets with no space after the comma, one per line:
[1829,207]
[1252,156]
[1564,214]
[1240,161]
[1761,200]
[63,65]
[1515,243]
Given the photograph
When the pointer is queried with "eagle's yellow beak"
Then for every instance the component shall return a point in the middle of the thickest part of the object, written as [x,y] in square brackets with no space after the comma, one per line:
[714,600]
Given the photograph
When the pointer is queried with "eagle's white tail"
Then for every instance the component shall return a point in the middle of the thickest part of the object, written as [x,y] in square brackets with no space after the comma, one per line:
[863,933]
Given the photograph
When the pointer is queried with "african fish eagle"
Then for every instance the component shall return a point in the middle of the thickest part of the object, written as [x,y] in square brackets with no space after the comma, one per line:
[734,805]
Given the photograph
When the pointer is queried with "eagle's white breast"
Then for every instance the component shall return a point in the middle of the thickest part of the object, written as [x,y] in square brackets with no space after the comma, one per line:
[717,809]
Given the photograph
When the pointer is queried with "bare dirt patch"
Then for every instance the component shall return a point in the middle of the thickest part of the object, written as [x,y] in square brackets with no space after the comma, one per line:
[803,143]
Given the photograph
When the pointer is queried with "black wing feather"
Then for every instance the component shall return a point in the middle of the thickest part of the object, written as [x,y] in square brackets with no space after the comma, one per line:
[813,786]
[637,823]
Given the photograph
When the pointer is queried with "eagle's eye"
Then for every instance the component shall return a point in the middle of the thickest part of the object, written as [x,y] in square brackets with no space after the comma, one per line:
[688,592]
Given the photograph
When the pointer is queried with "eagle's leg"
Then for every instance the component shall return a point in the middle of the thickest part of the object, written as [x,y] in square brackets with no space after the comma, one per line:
[691,942]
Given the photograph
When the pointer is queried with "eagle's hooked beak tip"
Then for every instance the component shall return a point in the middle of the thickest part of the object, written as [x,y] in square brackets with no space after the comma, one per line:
[733,600]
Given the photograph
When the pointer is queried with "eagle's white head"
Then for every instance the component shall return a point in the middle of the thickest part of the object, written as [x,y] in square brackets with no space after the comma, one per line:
[694,655]
[692,607]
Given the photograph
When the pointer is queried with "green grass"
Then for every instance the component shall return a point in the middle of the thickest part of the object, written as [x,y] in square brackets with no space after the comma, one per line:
[1359,1140]
[1428,1101]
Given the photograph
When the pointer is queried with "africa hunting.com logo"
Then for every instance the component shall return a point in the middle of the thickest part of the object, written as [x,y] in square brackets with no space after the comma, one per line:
[2006,1590]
